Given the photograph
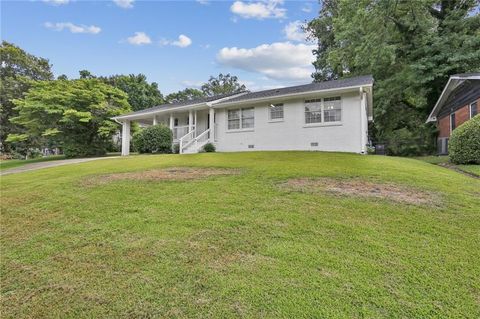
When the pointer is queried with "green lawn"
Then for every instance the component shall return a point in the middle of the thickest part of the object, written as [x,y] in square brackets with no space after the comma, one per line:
[239,245]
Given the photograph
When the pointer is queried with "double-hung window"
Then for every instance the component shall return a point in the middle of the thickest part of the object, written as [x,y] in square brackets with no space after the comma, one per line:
[313,111]
[473,109]
[328,110]
[332,109]
[241,118]
[276,112]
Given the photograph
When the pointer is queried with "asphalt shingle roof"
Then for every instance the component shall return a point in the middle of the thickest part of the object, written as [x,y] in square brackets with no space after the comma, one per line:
[318,86]
[244,96]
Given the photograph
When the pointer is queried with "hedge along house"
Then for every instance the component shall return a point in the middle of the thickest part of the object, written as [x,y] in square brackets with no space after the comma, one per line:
[325,116]
[457,104]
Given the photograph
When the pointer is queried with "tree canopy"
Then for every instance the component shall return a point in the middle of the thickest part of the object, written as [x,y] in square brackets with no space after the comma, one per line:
[222,84]
[18,70]
[184,95]
[410,47]
[74,114]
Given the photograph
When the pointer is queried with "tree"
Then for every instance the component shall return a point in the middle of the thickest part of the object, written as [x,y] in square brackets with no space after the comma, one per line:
[222,84]
[184,95]
[74,114]
[18,69]
[410,47]
[141,94]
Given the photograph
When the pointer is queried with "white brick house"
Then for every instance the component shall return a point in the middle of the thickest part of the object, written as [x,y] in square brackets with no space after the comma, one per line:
[326,116]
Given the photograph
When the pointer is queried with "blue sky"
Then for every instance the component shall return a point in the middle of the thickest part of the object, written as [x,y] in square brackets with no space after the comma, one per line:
[177,44]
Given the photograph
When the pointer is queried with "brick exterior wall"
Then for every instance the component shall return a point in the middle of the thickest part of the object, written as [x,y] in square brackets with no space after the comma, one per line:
[461,116]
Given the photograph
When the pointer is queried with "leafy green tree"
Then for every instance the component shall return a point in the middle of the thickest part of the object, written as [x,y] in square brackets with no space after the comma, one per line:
[222,84]
[184,95]
[141,94]
[410,47]
[73,114]
[18,69]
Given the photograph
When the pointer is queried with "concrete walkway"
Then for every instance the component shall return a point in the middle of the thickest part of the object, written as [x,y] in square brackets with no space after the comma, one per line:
[40,165]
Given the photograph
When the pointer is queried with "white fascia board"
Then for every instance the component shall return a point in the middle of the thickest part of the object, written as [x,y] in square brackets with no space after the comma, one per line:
[293,95]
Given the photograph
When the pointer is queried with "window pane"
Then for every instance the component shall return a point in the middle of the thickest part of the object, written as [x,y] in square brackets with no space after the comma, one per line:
[233,114]
[276,112]
[473,109]
[248,120]
[313,111]
[332,109]
[233,124]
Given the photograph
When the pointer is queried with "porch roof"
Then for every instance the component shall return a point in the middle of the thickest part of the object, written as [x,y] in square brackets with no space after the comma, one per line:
[176,105]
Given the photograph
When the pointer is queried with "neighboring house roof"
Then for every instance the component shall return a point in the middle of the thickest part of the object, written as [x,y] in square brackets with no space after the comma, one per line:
[448,94]
[299,89]
[232,98]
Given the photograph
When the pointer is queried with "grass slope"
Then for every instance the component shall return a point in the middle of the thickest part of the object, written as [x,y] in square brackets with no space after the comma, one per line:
[239,246]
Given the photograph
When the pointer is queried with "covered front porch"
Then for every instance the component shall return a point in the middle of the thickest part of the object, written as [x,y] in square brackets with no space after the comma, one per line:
[191,127]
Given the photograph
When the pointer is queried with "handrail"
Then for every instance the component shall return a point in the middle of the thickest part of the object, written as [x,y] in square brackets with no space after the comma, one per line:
[194,140]
[183,137]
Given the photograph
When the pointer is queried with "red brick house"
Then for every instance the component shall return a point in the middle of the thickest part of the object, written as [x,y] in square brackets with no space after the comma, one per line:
[458,103]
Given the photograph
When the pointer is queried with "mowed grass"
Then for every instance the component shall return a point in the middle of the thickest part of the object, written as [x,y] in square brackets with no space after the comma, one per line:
[239,245]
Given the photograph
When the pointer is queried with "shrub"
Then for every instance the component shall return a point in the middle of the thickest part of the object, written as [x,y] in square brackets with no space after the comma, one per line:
[209,148]
[153,139]
[464,144]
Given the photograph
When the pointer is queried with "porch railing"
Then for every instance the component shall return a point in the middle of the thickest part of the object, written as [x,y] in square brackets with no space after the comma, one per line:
[190,140]
[179,131]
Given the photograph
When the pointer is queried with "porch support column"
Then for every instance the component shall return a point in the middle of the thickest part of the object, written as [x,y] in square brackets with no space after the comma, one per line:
[363,121]
[154,120]
[212,124]
[190,121]
[171,122]
[125,138]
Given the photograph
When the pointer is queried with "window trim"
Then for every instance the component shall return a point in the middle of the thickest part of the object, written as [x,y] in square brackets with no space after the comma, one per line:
[322,115]
[241,128]
[270,113]
[470,109]
[452,117]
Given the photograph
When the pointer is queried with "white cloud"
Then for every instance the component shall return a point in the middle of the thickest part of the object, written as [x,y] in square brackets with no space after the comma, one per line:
[259,10]
[126,4]
[294,31]
[60,26]
[204,2]
[56,2]
[279,61]
[140,38]
[182,42]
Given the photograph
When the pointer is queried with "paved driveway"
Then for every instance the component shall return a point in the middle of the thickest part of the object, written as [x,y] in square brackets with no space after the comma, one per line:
[40,165]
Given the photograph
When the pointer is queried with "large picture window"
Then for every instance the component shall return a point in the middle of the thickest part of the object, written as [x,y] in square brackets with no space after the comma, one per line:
[276,112]
[329,110]
[241,118]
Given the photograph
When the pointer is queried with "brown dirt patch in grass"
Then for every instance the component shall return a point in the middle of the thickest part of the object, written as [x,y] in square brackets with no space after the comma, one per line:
[362,188]
[166,174]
